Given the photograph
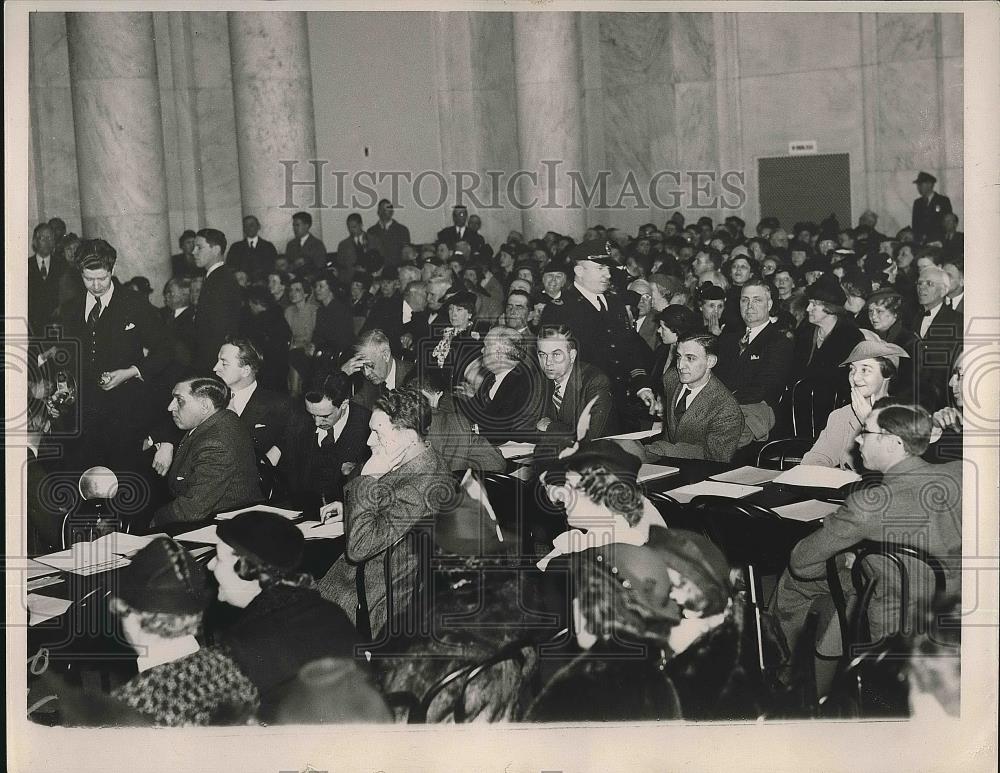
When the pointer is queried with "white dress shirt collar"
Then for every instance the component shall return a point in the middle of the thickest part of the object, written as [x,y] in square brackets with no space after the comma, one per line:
[238,402]
[926,322]
[694,392]
[390,377]
[178,312]
[755,331]
[212,268]
[105,300]
[302,241]
[252,242]
[407,312]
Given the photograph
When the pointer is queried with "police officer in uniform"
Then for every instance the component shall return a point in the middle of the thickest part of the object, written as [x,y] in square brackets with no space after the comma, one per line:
[600,323]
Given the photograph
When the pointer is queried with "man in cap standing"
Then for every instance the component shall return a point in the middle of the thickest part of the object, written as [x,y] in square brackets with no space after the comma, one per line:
[600,323]
[929,210]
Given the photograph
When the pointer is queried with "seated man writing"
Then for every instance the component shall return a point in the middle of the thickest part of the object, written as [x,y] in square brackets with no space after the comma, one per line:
[701,419]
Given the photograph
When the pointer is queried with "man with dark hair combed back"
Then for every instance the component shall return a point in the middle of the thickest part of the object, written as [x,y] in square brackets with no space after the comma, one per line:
[214,466]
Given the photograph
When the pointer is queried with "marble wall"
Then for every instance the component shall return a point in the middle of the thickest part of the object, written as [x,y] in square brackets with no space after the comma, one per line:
[438,92]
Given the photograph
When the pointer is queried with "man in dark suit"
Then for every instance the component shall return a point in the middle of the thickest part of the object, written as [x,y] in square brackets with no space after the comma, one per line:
[755,359]
[178,319]
[399,313]
[701,419]
[183,263]
[387,236]
[305,245]
[214,468]
[326,445]
[952,240]
[115,345]
[265,413]
[929,210]
[508,403]
[940,329]
[601,326]
[382,372]
[252,254]
[351,249]
[954,267]
[220,304]
[570,385]
[334,331]
[47,272]
[459,231]
[645,318]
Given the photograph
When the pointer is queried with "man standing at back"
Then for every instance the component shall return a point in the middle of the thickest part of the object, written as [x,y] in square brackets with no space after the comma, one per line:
[220,302]
[599,322]
[252,254]
[45,272]
[387,236]
[929,210]
[351,249]
[304,244]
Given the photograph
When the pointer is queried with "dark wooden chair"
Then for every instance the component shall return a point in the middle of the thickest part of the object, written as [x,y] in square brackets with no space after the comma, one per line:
[783,453]
[812,403]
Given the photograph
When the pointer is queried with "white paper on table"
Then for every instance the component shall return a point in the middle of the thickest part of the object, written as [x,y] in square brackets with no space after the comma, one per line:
[291,515]
[654,471]
[317,530]
[640,435]
[44,582]
[810,510]
[747,476]
[816,476]
[42,608]
[206,534]
[199,552]
[510,449]
[710,487]
[35,569]
[112,551]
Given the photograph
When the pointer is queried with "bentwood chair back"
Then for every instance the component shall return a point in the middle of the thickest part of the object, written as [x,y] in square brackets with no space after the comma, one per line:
[812,403]
[753,539]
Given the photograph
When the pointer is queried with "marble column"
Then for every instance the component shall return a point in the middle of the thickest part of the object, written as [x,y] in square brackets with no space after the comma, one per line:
[274,120]
[119,139]
[547,72]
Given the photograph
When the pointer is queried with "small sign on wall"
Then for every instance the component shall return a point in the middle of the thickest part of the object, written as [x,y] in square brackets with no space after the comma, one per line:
[802,147]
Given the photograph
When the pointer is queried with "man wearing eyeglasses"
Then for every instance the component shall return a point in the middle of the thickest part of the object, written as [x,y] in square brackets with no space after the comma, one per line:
[916,503]
[570,385]
[755,360]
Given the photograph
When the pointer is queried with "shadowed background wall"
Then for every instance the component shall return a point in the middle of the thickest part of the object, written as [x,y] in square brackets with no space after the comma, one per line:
[439,92]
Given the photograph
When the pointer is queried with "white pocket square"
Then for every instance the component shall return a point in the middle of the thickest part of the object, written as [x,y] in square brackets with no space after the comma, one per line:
[130,326]
[754,357]
[259,426]
[180,477]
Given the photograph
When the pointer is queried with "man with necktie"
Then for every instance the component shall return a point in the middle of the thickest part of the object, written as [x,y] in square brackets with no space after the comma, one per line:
[388,236]
[220,304]
[600,324]
[252,254]
[940,328]
[214,468]
[460,231]
[701,419]
[327,444]
[351,249]
[46,272]
[116,346]
[755,359]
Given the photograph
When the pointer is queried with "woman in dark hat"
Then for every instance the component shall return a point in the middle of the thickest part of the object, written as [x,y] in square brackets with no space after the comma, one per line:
[461,342]
[825,342]
[283,622]
[658,634]
[159,599]
[712,304]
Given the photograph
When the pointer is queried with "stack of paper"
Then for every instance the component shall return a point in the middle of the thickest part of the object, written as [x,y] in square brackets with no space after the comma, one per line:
[112,551]
[640,435]
[205,534]
[817,477]
[291,515]
[810,510]
[712,488]
[654,471]
[747,476]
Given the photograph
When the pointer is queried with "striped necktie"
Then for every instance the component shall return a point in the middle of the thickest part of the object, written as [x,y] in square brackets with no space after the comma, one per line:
[557,397]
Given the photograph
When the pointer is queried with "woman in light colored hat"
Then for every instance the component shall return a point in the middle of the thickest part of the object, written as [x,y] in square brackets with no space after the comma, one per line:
[873,365]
